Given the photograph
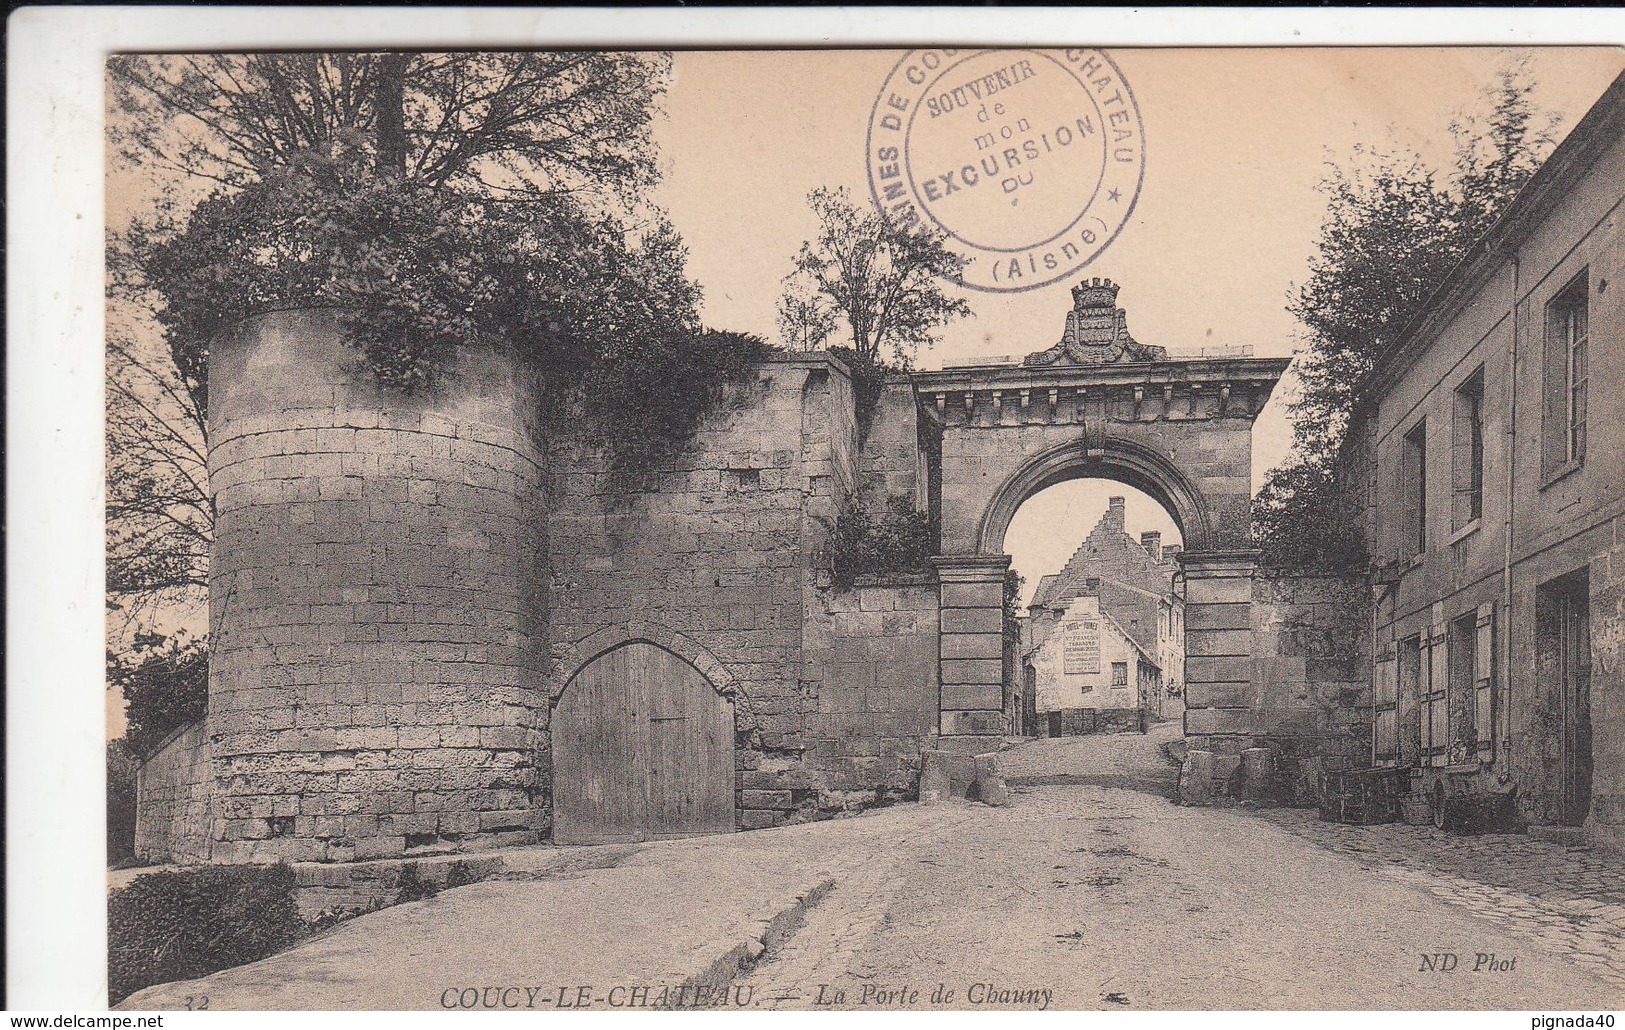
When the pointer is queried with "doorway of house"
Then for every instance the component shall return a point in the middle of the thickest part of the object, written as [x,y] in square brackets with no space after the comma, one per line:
[1563,632]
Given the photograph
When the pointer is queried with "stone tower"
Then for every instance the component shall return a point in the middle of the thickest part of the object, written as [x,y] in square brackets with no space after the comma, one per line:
[377,601]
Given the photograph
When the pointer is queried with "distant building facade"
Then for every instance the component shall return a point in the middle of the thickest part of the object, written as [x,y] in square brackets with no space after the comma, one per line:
[1088,661]
[1119,591]
[1131,581]
[1492,451]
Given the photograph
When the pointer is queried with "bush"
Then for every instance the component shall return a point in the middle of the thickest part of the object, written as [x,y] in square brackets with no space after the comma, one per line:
[600,309]
[165,681]
[895,539]
[182,925]
[868,381]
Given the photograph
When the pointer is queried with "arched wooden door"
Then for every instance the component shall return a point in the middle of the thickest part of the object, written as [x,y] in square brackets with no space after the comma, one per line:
[642,750]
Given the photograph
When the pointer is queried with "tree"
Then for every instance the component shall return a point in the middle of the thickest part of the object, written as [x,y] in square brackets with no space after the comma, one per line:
[513,125]
[121,780]
[336,175]
[1394,230]
[438,199]
[160,514]
[165,682]
[884,282]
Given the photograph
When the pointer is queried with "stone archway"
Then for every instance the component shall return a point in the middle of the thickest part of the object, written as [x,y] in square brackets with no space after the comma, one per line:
[1098,403]
[1123,461]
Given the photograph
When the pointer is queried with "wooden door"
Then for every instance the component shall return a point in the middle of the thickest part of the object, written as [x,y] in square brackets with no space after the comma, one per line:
[598,792]
[642,749]
[691,753]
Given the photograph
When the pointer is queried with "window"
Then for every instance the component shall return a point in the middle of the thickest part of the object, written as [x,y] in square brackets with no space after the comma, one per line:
[1462,642]
[1414,490]
[1422,676]
[1469,665]
[1412,667]
[1119,674]
[1467,501]
[1563,441]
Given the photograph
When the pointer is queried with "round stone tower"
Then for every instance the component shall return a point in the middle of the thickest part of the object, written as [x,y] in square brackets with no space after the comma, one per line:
[377,601]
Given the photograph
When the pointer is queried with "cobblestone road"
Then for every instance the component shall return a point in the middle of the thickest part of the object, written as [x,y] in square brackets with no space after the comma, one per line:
[1569,899]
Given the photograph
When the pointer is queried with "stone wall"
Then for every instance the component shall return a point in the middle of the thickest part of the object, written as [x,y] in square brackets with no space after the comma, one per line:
[1312,663]
[721,549]
[172,790]
[1310,670]
[377,601]
[1074,722]
[889,459]
[872,655]
[1309,699]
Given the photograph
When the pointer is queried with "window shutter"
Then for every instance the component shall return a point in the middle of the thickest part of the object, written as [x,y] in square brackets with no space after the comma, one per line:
[1387,680]
[1437,735]
[1424,697]
[1385,726]
[1484,679]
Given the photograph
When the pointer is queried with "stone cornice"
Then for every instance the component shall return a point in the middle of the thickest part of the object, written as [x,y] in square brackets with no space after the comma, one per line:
[1187,390]
[970,568]
[1017,377]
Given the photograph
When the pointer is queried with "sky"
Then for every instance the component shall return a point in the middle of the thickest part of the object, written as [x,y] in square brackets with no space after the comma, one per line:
[1236,142]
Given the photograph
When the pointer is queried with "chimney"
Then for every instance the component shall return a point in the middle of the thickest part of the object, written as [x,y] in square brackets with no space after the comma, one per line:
[1151,540]
[1114,514]
[1172,551]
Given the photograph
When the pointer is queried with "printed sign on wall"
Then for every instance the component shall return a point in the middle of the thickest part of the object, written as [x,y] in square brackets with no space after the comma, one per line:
[1082,652]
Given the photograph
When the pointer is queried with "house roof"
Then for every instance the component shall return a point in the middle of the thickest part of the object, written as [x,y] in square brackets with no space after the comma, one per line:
[1144,654]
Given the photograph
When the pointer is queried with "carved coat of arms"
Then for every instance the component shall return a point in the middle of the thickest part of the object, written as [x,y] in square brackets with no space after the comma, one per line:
[1096,331]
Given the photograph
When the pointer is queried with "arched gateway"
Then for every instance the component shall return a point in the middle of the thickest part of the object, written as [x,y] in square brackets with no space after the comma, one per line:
[1097,404]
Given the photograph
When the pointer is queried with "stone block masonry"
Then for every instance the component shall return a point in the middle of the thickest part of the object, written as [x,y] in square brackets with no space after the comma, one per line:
[377,597]
[717,555]
[1287,673]
[1311,664]
[871,653]
[403,589]
[174,786]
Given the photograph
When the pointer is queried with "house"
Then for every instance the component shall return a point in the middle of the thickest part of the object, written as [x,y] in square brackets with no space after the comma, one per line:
[1493,451]
[1133,581]
[1090,673]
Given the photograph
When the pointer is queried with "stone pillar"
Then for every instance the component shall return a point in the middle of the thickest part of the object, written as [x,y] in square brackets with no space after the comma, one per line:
[1219,695]
[377,601]
[971,657]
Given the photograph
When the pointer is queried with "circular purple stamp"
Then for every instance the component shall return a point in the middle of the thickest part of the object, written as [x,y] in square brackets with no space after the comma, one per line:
[1030,160]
